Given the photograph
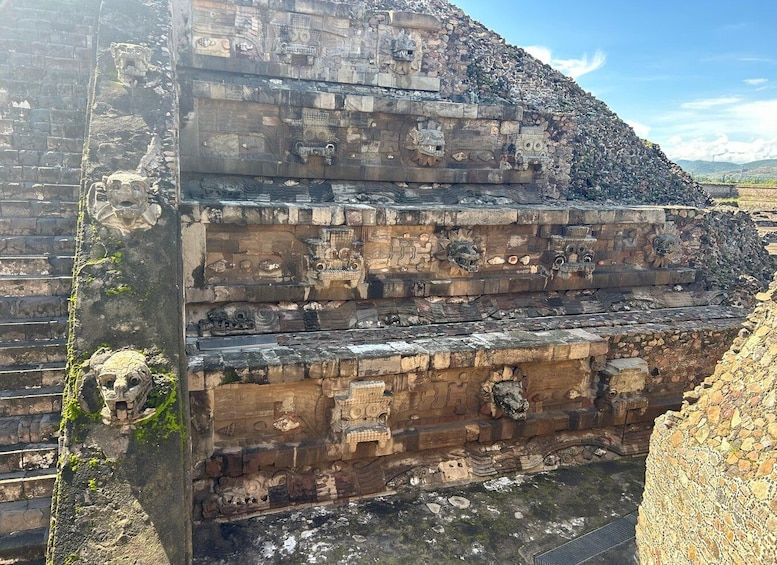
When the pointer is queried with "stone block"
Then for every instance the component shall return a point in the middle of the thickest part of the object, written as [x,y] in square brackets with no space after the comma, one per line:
[415,20]
[255,459]
[486,217]
[355,103]
[440,437]
[413,356]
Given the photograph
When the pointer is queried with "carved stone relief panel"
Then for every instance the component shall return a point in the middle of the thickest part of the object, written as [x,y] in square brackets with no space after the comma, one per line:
[426,143]
[435,397]
[362,415]
[558,386]
[335,257]
[406,52]
[503,394]
[531,148]
[412,252]
[124,201]
[238,256]
[294,40]
[573,252]
[663,247]
[242,495]
[620,386]
[461,251]
[287,412]
[322,41]
[239,319]
[322,136]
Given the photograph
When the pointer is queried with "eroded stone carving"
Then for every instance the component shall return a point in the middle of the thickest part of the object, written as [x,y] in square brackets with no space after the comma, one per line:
[621,383]
[531,148]
[132,63]
[242,495]
[123,201]
[503,393]
[326,151]
[573,252]
[227,188]
[426,144]
[335,257]
[662,247]
[294,42]
[508,395]
[666,244]
[124,381]
[362,414]
[411,252]
[228,321]
[461,250]
[405,54]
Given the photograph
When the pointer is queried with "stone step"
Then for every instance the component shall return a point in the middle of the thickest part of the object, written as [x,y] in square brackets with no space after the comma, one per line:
[29,285]
[39,428]
[33,352]
[35,144]
[15,265]
[27,456]
[38,244]
[29,376]
[23,485]
[44,400]
[37,226]
[26,547]
[32,329]
[24,515]
[33,307]
[39,191]
[38,208]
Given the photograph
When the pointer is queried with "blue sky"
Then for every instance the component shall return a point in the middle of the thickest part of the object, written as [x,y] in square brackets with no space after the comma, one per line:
[697,77]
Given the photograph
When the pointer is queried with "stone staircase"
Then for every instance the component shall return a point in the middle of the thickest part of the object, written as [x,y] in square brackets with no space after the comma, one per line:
[45,62]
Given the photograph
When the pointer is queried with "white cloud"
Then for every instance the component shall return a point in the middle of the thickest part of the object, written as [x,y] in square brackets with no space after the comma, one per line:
[721,149]
[708,103]
[573,68]
[539,52]
[756,81]
[640,129]
[720,129]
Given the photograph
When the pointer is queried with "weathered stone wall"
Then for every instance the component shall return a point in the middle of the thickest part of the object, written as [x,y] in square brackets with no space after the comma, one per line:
[694,346]
[711,483]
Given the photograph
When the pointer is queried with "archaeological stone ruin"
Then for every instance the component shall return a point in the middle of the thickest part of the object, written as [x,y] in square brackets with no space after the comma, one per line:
[265,253]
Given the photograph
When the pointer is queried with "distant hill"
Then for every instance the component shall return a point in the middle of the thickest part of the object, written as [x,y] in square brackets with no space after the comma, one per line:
[707,167]
[756,172]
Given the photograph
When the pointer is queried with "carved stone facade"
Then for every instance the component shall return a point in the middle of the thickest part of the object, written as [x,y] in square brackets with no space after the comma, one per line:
[378,291]
[382,283]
